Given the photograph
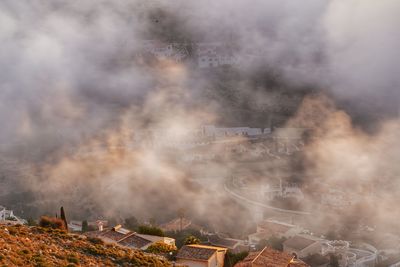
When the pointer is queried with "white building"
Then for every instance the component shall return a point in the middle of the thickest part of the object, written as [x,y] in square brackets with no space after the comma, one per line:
[201,256]
[214,54]
[160,50]
[349,256]
[284,191]
[212,131]
[273,228]
[303,245]
[9,217]
[336,199]
[5,214]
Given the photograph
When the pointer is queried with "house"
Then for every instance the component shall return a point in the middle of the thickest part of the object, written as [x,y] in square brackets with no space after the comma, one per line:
[8,217]
[272,228]
[234,245]
[211,130]
[134,241]
[177,224]
[75,226]
[214,54]
[160,50]
[303,245]
[127,238]
[270,258]
[365,255]
[5,214]
[155,239]
[201,256]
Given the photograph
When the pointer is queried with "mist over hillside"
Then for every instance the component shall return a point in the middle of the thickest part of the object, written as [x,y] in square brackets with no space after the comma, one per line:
[76,89]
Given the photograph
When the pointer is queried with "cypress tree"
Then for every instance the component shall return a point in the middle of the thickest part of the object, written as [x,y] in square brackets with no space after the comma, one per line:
[62,213]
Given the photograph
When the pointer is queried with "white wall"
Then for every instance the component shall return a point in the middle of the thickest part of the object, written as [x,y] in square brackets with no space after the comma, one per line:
[192,263]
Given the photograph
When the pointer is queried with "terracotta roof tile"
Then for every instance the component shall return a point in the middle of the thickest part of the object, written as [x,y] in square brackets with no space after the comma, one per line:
[134,241]
[194,252]
[270,258]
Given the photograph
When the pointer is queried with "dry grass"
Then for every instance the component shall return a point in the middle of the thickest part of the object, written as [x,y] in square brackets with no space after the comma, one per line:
[37,246]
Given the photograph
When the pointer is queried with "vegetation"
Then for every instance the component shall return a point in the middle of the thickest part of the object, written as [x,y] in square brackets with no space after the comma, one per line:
[85,226]
[38,246]
[273,242]
[160,248]
[150,230]
[191,240]
[333,261]
[51,222]
[63,218]
[131,223]
[181,236]
[232,258]
[31,222]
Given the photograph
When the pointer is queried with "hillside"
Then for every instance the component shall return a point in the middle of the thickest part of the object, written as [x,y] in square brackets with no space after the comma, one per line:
[36,246]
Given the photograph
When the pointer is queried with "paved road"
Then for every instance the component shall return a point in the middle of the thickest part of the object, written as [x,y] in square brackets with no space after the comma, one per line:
[252,203]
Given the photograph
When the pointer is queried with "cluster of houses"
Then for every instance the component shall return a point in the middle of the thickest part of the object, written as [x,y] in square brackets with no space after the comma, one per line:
[124,237]
[212,256]
[195,255]
[270,192]
[311,248]
[207,54]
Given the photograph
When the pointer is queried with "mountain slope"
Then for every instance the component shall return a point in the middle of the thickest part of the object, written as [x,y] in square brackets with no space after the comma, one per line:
[36,246]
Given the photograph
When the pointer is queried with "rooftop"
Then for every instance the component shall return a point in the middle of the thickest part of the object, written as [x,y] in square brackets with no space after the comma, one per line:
[275,226]
[134,241]
[299,242]
[223,242]
[175,224]
[197,252]
[270,258]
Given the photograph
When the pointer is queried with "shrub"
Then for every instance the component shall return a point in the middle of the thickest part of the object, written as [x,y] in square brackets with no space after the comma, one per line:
[150,230]
[73,259]
[95,240]
[160,248]
[191,240]
[51,222]
[232,258]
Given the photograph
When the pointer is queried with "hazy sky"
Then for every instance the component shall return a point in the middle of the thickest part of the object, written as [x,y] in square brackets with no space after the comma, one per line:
[69,80]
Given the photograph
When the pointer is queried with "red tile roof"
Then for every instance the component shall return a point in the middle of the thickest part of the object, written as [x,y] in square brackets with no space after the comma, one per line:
[134,241]
[275,227]
[197,252]
[270,258]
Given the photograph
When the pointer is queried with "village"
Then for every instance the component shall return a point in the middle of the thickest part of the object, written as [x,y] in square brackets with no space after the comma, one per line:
[185,243]
[281,232]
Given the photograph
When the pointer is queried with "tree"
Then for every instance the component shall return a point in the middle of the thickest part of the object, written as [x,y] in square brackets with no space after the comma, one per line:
[180,236]
[85,226]
[232,258]
[276,243]
[131,223]
[62,213]
[150,230]
[331,235]
[191,240]
[333,261]
[273,242]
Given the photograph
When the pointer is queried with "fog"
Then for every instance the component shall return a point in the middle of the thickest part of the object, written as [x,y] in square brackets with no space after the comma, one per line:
[75,92]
